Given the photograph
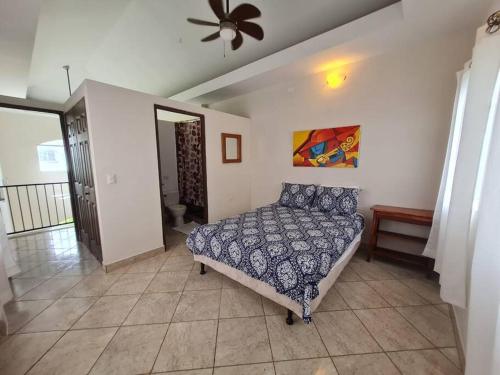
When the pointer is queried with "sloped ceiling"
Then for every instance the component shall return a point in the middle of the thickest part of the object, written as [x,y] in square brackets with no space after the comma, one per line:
[147,45]
[401,24]
[18,21]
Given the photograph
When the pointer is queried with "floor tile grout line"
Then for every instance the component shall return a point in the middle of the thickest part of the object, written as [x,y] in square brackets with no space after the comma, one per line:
[324,345]
[392,308]
[428,303]
[418,330]
[123,321]
[68,330]
[268,335]
[36,315]
[449,359]
[352,270]
[403,284]
[389,351]
[423,350]
[64,334]
[378,343]
[103,350]
[367,330]
[72,324]
[202,319]
[217,328]
[64,296]
[85,279]
[376,293]
[455,335]
[49,349]
[434,347]
[55,298]
[416,291]
[29,290]
[17,331]
[170,323]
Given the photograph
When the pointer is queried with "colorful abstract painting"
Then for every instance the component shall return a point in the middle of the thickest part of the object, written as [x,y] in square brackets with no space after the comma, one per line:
[334,147]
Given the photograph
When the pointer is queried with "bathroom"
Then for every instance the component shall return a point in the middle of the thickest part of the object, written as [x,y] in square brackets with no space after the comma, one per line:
[182,169]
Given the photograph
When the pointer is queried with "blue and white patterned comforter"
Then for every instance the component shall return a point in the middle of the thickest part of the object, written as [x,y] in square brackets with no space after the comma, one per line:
[289,249]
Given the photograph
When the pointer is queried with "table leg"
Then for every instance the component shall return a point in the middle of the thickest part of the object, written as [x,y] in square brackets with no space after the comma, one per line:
[373,236]
[430,268]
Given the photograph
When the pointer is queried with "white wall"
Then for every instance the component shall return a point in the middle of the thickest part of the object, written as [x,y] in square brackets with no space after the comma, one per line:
[402,101]
[123,142]
[494,7]
[168,157]
[20,134]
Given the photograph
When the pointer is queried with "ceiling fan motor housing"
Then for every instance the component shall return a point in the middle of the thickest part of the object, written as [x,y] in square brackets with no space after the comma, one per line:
[227,30]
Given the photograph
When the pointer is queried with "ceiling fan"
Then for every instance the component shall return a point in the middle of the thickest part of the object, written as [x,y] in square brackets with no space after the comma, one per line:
[232,24]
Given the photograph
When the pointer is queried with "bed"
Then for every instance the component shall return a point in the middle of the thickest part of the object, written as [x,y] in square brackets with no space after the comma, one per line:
[288,254]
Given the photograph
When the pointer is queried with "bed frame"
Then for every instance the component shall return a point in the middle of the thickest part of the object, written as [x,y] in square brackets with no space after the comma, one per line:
[268,291]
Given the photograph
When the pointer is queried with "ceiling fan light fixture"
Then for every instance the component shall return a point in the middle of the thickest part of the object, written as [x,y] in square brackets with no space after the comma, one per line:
[227,31]
[232,23]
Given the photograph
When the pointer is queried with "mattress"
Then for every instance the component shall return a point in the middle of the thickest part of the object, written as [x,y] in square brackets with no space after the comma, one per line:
[290,250]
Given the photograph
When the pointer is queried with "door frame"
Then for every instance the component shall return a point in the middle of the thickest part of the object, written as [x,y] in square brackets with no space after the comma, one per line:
[62,122]
[203,157]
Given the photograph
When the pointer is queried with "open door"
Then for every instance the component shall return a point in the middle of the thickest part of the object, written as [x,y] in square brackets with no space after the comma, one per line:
[85,205]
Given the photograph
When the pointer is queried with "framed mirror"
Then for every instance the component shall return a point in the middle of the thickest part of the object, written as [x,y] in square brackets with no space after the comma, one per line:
[231,148]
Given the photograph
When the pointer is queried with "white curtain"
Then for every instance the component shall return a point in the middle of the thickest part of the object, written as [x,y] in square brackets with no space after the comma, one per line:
[7,256]
[443,201]
[437,235]
[483,343]
[453,233]
[6,262]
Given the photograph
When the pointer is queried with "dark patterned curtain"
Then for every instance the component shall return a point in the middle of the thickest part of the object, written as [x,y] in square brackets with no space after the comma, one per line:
[189,163]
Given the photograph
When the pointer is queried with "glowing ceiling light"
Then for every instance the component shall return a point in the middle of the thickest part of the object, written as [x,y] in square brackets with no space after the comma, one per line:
[335,79]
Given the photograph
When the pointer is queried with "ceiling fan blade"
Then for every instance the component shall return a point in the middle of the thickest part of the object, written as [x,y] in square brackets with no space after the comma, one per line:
[244,12]
[237,41]
[252,29]
[211,37]
[218,8]
[201,22]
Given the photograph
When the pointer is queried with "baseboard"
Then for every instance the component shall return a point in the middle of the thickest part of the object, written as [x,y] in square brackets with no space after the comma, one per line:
[458,337]
[133,259]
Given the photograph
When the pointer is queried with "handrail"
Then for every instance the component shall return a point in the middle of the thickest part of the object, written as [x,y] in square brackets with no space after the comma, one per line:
[36,206]
[41,183]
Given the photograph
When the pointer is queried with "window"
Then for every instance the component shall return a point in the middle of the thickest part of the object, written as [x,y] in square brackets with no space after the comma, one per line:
[51,156]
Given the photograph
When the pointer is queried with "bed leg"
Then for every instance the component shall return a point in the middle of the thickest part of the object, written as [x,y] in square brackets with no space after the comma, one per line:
[289,319]
[202,269]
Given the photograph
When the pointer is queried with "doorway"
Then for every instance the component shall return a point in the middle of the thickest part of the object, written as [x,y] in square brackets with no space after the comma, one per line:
[180,137]
[35,193]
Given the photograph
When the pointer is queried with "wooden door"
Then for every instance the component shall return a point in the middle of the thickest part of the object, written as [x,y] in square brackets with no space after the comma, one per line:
[86,223]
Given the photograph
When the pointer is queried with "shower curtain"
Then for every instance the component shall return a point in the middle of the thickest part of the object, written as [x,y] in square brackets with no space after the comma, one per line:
[189,163]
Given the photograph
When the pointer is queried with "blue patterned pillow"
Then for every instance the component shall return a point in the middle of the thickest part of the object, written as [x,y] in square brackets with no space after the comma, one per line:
[336,200]
[297,195]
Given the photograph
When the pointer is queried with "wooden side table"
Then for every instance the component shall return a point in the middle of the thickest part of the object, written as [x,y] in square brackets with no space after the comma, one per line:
[405,215]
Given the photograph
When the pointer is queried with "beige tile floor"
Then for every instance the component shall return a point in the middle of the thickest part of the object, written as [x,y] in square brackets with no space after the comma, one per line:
[161,316]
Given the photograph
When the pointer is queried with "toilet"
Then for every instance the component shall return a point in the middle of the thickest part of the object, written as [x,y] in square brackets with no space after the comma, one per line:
[177,211]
